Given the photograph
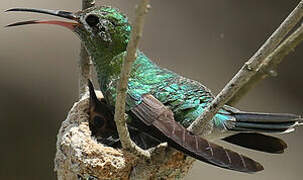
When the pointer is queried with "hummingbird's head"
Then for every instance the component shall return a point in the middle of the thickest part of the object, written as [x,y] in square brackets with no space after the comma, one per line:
[102,29]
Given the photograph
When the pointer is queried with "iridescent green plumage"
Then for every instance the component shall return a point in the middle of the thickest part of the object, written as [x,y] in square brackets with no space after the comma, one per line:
[187,98]
[158,97]
[106,42]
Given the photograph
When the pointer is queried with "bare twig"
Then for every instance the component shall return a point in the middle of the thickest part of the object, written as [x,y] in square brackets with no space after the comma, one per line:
[87,3]
[250,68]
[271,62]
[122,86]
[85,61]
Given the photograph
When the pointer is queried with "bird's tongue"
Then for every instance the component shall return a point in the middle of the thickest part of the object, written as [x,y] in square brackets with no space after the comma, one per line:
[69,25]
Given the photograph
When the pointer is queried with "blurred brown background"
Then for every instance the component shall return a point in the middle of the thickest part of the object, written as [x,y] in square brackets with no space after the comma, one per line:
[206,40]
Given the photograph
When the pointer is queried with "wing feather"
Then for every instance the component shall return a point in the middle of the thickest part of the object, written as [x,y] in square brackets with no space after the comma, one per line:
[153,113]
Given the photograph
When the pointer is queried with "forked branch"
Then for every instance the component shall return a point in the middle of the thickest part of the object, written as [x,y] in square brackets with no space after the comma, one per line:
[270,64]
[132,47]
[252,67]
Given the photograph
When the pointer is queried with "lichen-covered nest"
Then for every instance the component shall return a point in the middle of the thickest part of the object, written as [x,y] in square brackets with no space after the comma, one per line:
[80,156]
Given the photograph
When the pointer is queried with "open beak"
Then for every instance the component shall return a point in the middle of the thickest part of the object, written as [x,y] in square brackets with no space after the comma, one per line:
[63,14]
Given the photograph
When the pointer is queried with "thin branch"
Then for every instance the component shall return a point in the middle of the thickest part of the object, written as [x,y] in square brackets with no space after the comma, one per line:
[271,63]
[136,34]
[87,3]
[85,61]
[245,74]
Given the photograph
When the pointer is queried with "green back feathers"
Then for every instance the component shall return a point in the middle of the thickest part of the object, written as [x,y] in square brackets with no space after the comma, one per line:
[107,41]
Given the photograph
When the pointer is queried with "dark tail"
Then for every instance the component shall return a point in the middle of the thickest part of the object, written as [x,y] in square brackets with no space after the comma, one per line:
[264,122]
[250,124]
[259,142]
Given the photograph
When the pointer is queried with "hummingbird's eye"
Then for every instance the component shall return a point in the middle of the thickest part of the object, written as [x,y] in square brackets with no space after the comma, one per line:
[92,20]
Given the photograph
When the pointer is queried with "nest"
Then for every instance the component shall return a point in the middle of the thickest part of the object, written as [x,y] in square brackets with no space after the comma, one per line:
[80,156]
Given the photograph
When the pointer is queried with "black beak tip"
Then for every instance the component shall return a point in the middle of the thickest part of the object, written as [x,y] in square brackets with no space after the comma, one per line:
[13,9]
[64,14]
[22,23]
[8,25]
[8,10]
[90,86]
[89,83]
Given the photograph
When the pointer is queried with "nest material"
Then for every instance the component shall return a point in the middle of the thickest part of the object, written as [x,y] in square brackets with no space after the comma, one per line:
[80,156]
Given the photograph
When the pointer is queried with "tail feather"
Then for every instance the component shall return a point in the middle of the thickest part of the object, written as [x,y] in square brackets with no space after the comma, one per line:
[266,117]
[261,125]
[259,142]
[264,122]
[259,130]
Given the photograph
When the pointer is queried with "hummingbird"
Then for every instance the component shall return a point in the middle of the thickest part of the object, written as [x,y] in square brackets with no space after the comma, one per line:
[162,104]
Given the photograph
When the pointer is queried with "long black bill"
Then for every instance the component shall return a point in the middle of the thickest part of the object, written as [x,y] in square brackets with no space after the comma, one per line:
[63,14]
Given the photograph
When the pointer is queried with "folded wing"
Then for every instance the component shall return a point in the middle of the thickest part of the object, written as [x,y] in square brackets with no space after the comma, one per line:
[153,113]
